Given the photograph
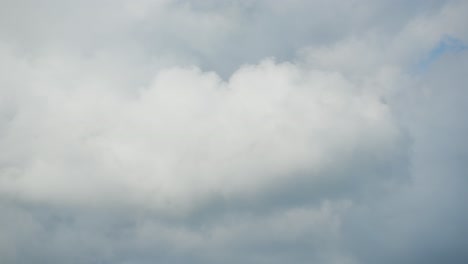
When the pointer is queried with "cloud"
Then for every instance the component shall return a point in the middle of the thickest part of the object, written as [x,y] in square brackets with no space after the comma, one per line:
[236,131]
[424,221]
[189,131]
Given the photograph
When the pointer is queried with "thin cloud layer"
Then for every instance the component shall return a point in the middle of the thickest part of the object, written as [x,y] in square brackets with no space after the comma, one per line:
[234,132]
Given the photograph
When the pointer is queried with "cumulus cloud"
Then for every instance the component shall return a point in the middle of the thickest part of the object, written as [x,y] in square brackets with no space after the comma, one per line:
[234,132]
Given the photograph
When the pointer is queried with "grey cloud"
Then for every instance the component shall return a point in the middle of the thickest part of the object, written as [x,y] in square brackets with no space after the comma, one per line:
[216,35]
[166,131]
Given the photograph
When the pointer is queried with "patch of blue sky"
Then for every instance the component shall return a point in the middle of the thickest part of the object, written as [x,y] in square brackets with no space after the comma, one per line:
[447,44]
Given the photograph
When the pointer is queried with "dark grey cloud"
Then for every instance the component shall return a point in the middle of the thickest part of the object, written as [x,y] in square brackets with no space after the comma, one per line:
[233,132]
[426,220]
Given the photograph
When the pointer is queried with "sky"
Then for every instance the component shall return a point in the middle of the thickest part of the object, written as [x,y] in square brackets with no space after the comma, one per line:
[234,131]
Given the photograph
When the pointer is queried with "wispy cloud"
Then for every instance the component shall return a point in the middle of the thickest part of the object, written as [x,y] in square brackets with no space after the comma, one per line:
[447,44]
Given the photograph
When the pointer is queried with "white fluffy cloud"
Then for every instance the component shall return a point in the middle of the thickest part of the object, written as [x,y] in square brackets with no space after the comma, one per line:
[165,131]
[188,133]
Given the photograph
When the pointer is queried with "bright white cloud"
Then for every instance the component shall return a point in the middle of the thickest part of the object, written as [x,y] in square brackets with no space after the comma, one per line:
[189,132]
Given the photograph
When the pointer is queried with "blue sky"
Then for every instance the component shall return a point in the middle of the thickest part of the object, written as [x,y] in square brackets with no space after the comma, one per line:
[447,44]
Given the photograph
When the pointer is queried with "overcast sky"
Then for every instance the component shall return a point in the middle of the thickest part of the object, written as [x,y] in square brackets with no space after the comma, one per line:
[236,131]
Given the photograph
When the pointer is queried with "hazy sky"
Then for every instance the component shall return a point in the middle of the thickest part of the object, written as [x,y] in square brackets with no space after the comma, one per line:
[241,131]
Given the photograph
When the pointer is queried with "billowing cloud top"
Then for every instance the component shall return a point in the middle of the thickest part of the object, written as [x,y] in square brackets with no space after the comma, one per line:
[248,131]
